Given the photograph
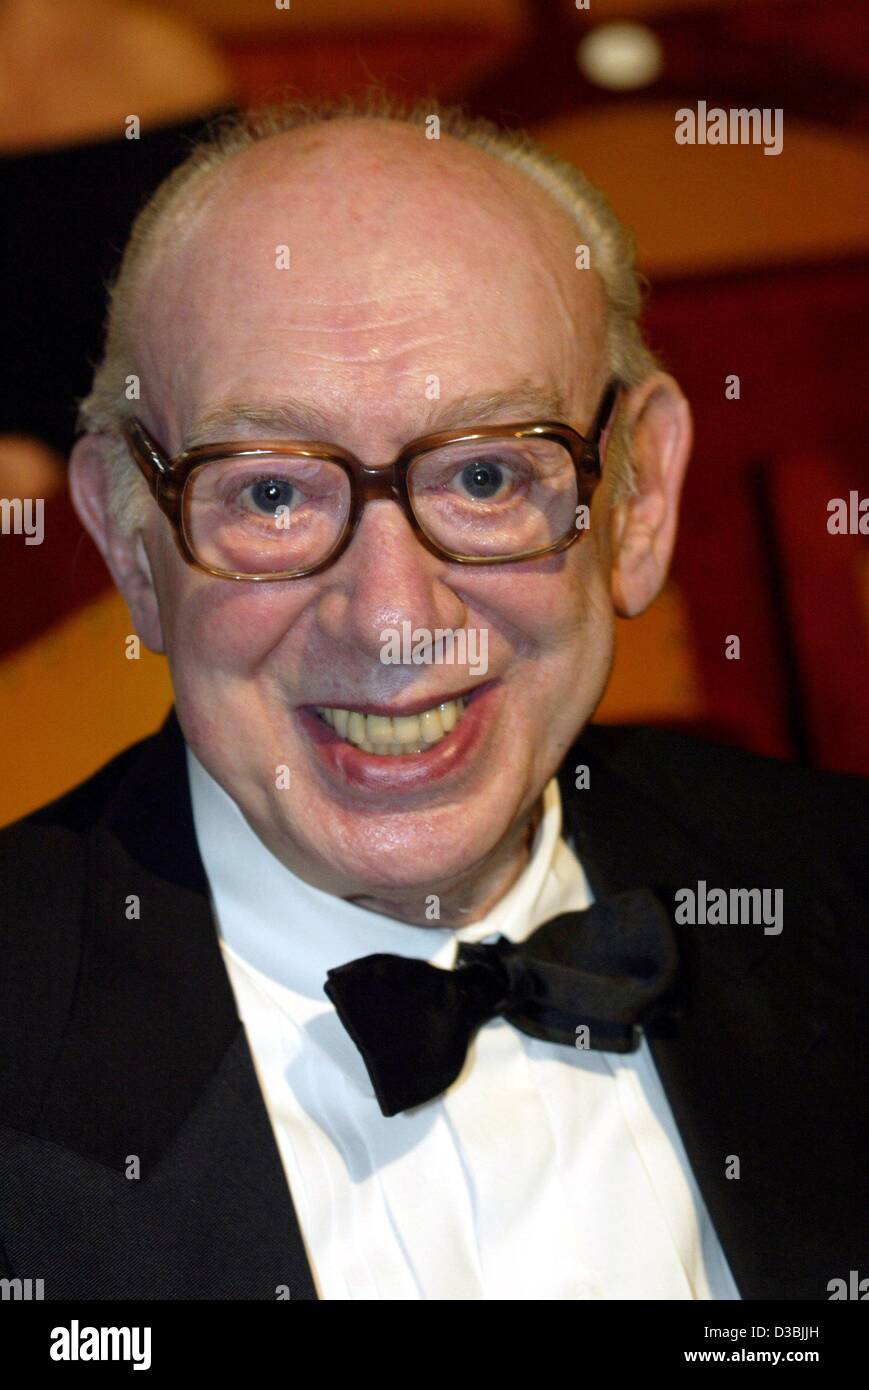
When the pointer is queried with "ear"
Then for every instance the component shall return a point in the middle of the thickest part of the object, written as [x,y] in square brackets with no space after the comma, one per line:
[123,551]
[644,525]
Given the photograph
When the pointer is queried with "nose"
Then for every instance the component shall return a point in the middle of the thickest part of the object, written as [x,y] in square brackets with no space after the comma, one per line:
[384,578]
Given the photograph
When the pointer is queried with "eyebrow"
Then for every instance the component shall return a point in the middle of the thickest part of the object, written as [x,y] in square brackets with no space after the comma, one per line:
[292,417]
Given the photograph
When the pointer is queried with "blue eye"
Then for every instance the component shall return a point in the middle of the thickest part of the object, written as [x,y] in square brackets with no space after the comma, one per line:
[482,479]
[270,493]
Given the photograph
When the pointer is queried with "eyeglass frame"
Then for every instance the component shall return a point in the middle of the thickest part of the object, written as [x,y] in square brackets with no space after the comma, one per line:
[167,480]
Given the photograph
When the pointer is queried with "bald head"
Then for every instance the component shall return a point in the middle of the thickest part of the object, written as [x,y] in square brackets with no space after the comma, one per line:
[366,261]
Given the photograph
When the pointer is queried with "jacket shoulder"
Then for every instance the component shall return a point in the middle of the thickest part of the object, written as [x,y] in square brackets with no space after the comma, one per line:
[639,750]
[45,861]
[729,796]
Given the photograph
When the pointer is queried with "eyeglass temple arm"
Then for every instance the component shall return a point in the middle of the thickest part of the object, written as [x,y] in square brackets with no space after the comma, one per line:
[591,451]
[150,459]
[605,410]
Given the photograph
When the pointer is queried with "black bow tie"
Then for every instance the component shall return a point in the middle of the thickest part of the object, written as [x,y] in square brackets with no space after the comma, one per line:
[600,970]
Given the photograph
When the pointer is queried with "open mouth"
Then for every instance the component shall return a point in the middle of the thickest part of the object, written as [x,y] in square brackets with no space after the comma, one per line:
[395,736]
[394,748]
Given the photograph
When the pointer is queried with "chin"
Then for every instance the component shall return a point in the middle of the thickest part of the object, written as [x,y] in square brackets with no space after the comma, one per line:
[410,853]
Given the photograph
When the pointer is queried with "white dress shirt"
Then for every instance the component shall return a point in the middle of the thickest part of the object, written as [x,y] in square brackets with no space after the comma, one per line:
[544,1172]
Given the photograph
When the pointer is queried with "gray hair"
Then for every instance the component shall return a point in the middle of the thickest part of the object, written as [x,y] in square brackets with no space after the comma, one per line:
[610,243]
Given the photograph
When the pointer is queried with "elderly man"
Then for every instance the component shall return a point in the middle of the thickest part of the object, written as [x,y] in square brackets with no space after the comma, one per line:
[377,974]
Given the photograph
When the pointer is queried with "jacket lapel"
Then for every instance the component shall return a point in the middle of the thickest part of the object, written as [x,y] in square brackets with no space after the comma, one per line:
[154,1023]
[746,1061]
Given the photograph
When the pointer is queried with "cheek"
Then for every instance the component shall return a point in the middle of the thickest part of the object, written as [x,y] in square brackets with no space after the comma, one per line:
[558,605]
[222,626]
[567,619]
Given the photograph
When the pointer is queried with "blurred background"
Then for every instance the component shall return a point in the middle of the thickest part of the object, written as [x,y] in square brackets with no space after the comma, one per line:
[758,267]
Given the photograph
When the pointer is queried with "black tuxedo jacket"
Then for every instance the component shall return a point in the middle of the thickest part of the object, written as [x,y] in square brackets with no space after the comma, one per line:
[120,1040]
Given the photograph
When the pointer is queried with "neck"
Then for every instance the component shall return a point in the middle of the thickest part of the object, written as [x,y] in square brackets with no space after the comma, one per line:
[468,899]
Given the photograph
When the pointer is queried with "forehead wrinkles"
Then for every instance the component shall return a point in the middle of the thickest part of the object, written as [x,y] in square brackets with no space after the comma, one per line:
[374,243]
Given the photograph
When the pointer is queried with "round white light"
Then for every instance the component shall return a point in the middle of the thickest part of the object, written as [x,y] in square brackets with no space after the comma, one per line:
[620,56]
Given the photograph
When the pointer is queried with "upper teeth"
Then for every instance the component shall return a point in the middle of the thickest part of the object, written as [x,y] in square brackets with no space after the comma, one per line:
[405,733]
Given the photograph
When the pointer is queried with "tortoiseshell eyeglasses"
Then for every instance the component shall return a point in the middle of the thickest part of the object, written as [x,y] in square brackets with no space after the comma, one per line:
[270,510]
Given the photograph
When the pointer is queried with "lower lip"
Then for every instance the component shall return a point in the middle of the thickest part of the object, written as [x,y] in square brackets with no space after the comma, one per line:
[406,771]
